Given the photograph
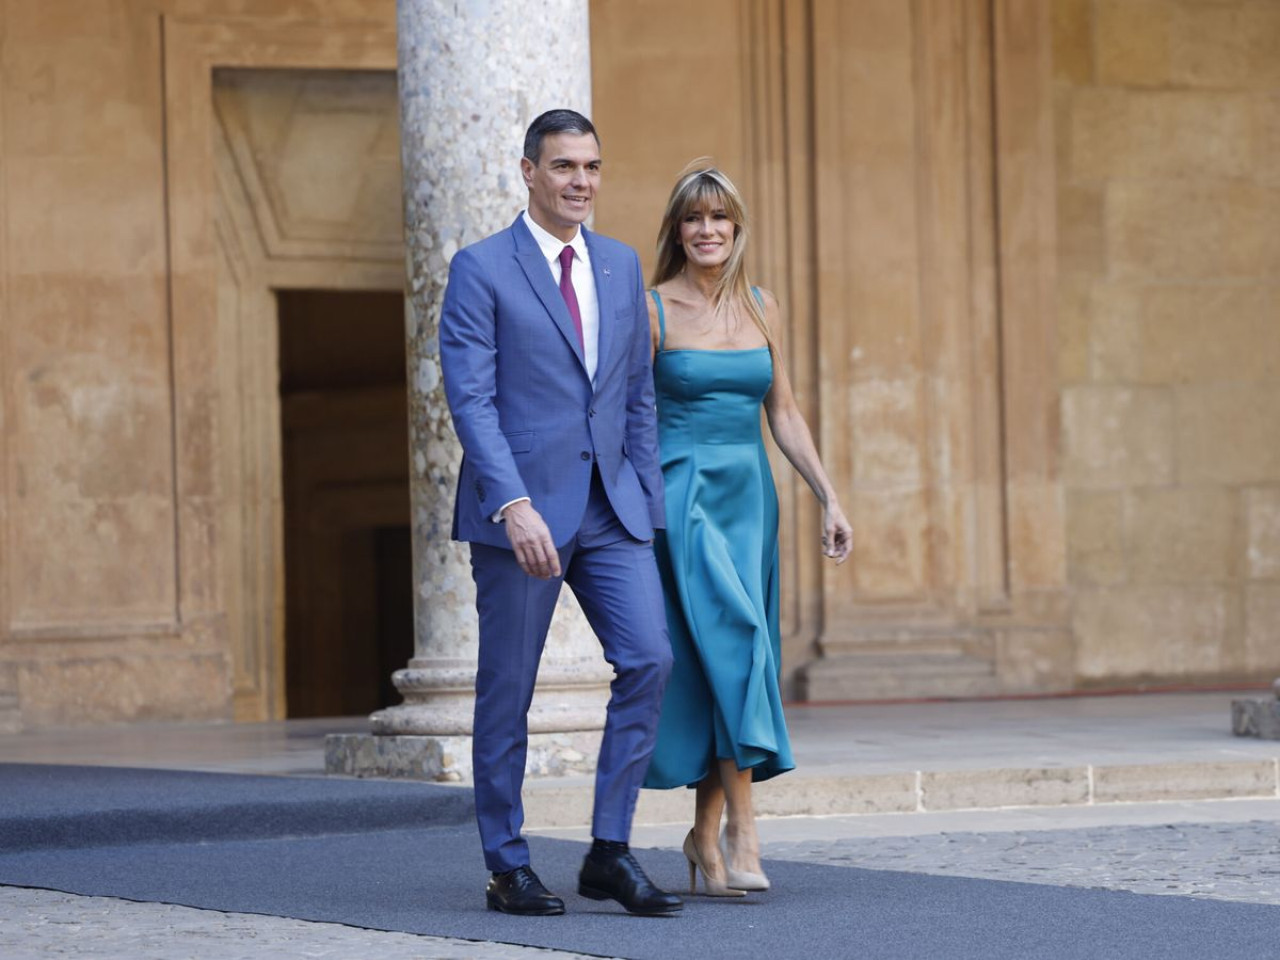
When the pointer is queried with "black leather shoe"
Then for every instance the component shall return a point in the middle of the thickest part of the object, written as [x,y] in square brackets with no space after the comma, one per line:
[615,875]
[519,891]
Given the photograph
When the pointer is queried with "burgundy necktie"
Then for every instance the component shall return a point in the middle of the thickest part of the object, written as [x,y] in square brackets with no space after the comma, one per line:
[566,291]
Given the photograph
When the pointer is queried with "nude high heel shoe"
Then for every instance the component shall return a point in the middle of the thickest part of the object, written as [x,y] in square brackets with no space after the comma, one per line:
[712,888]
[740,879]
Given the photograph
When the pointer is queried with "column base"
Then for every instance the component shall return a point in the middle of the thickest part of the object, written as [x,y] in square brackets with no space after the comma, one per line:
[447,759]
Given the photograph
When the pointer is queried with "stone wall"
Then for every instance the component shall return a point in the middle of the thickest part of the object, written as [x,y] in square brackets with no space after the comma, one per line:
[1168,134]
[118,557]
[138,472]
[897,161]
[89,568]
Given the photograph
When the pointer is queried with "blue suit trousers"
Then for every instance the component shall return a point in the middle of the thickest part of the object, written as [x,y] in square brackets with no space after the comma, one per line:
[615,579]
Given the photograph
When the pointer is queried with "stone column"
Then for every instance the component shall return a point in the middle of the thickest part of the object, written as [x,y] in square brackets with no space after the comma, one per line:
[473,74]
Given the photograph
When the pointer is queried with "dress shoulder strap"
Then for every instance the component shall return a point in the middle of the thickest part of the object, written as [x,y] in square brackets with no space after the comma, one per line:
[662,320]
[758,295]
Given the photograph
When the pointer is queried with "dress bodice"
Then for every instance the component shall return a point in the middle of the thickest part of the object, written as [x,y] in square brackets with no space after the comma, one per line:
[708,396]
[711,396]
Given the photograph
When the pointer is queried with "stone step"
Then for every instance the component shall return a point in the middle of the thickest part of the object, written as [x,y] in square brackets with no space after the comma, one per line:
[51,806]
[913,663]
[898,676]
[567,803]
[10,718]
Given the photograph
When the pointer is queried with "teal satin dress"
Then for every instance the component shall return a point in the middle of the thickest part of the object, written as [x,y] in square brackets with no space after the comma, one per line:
[718,558]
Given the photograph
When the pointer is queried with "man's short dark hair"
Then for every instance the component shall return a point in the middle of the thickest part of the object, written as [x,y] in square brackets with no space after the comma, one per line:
[555,121]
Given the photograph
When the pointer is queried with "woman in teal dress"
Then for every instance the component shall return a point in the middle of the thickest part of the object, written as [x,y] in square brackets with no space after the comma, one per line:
[717,361]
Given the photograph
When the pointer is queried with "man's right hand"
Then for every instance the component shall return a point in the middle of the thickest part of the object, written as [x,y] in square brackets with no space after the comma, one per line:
[531,540]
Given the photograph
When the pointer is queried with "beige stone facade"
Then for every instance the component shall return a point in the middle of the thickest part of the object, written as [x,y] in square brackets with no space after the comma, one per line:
[1031,271]
[1169,307]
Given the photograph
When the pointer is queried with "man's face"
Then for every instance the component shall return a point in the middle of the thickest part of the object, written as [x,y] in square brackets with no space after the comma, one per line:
[562,185]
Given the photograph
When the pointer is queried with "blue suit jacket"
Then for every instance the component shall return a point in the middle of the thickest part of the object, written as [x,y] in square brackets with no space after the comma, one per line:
[530,421]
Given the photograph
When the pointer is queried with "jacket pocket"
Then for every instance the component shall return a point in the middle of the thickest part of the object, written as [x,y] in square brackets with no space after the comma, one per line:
[521,442]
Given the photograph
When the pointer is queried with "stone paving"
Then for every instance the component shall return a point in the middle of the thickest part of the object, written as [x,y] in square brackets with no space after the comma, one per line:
[42,924]
[1234,861]
[1227,860]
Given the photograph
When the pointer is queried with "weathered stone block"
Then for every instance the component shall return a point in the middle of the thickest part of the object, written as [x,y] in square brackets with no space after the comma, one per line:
[1035,660]
[1117,436]
[124,688]
[1184,781]
[1115,343]
[1075,319]
[1168,42]
[1183,229]
[92,561]
[59,18]
[1114,630]
[829,796]
[1031,787]
[1182,534]
[1227,433]
[1095,537]
[885,420]
[1259,717]
[1037,550]
[889,555]
[890,676]
[1132,42]
[1119,133]
[1081,234]
[10,715]
[448,758]
[107,118]
[1267,142]
[570,805]
[1262,523]
[61,195]
[1225,45]
[1261,627]
[1191,334]
[567,803]
[884,322]
[1073,40]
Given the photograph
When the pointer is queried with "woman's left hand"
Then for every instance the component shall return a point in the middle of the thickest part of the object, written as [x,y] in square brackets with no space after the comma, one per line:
[837,534]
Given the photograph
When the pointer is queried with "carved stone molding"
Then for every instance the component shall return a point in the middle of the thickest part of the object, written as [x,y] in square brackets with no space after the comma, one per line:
[226,255]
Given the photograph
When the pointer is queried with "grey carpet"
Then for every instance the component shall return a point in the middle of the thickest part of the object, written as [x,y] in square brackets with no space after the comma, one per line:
[429,881]
[48,805]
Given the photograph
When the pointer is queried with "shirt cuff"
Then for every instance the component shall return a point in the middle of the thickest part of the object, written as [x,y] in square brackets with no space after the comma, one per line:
[497,516]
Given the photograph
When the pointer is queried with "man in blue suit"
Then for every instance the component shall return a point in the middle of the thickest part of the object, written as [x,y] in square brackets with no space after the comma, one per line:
[545,347]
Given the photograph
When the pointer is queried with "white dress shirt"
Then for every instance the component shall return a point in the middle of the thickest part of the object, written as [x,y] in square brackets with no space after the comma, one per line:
[584,287]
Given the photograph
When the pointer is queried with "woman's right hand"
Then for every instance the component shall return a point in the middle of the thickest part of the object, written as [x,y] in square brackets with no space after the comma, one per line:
[837,534]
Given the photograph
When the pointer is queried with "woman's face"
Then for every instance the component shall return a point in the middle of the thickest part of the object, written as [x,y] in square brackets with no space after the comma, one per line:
[706,233]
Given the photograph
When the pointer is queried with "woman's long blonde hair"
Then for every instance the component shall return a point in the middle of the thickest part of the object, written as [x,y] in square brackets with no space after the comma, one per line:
[702,185]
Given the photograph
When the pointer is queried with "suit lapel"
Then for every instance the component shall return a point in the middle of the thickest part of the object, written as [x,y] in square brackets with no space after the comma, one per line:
[607,326]
[529,256]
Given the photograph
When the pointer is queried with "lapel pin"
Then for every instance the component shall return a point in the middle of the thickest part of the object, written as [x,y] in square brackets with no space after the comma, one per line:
[605,271]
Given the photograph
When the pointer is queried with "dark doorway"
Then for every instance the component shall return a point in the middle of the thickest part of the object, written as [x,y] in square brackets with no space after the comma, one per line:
[348,557]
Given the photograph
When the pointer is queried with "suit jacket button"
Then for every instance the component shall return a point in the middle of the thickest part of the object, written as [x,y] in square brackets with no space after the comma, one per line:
[586,455]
